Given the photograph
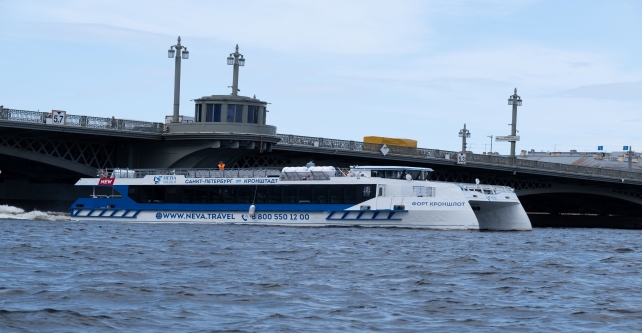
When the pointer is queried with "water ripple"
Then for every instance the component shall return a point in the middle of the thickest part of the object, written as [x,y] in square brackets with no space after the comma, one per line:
[101,276]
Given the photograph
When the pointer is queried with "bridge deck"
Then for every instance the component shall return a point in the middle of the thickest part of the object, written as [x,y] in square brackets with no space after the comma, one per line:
[11,118]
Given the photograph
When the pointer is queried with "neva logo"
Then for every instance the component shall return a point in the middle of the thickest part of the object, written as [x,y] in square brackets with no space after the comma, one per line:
[165,179]
[106,181]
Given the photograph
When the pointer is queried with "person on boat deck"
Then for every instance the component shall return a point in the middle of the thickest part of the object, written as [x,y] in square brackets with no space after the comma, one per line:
[221,165]
[310,164]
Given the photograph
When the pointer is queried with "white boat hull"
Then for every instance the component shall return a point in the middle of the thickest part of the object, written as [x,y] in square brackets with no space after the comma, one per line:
[501,215]
[443,219]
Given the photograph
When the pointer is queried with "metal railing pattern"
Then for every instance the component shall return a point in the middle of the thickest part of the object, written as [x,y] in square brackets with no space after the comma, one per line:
[295,140]
[82,121]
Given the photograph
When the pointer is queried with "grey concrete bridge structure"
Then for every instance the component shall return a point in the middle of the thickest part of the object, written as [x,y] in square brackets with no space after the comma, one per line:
[40,161]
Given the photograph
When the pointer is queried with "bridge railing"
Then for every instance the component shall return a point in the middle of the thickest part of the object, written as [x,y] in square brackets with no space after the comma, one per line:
[296,140]
[82,121]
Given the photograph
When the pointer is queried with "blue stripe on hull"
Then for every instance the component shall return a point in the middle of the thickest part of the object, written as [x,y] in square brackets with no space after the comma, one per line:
[345,215]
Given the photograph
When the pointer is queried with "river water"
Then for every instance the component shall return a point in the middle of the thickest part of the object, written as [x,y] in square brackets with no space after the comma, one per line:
[61,276]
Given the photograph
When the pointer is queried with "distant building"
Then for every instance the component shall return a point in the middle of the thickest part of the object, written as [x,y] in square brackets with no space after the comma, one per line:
[596,159]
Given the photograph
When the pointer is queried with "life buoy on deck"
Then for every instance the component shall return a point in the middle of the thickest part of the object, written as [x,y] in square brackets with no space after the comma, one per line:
[346,174]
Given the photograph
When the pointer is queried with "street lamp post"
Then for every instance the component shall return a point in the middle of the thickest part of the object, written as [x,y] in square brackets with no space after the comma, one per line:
[515,101]
[491,144]
[237,60]
[630,156]
[463,134]
[177,72]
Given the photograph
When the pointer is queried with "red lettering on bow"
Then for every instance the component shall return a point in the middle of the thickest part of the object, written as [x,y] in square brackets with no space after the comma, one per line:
[106,181]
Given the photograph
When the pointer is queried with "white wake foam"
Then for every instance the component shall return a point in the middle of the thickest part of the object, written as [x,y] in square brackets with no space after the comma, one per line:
[14,213]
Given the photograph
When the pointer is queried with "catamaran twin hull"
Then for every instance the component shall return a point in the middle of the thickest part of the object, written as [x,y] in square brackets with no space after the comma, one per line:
[302,201]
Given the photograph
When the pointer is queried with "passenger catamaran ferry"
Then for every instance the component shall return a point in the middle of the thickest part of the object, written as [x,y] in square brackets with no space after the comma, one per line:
[369,196]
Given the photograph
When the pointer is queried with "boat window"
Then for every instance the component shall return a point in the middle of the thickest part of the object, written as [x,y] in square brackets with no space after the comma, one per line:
[201,194]
[431,191]
[377,174]
[133,192]
[260,194]
[158,193]
[366,191]
[274,194]
[414,174]
[235,194]
[336,194]
[172,194]
[215,195]
[350,194]
[228,193]
[245,194]
[289,194]
[419,191]
[320,194]
[305,194]
[187,194]
[145,194]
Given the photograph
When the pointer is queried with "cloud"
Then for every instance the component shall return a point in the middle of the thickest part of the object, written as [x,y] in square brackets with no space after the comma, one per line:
[473,8]
[618,91]
[333,26]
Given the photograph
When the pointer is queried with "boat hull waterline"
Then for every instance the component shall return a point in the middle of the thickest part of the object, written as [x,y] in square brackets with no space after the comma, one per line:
[399,219]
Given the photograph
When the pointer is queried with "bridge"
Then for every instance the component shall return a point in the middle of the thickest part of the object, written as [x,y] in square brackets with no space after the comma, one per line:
[40,162]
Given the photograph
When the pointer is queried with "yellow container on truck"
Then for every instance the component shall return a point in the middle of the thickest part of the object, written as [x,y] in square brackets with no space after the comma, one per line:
[390,141]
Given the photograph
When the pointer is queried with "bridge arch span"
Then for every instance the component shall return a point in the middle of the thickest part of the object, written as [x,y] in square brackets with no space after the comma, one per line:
[615,193]
[49,160]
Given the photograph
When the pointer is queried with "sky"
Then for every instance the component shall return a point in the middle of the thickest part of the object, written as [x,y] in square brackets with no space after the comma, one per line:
[344,69]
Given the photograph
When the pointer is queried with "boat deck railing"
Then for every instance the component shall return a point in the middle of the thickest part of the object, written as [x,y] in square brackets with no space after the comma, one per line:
[190,173]
[228,173]
[216,173]
[486,189]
